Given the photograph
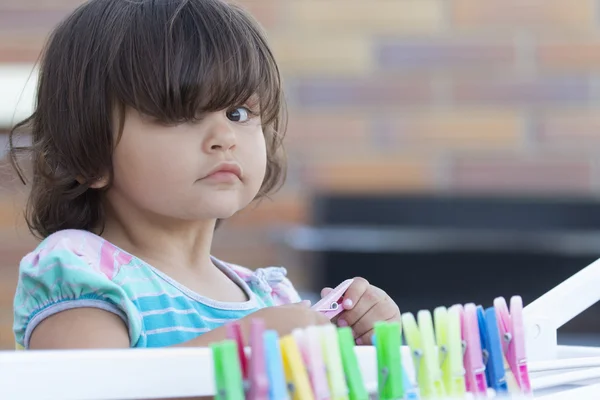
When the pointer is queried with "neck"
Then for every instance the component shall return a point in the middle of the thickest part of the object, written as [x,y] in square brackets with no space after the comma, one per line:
[162,242]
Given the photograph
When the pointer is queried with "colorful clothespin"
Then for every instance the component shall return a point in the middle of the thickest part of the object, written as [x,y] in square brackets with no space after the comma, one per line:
[411,391]
[431,357]
[354,379]
[298,335]
[228,374]
[390,382]
[492,350]
[233,330]
[277,383]
[331,305]
[333,363]
[295,371]
[449,342]
[512,331]
[511,382]
[257,371]
[412,336]
[315,365]
[421,340]
[474,368]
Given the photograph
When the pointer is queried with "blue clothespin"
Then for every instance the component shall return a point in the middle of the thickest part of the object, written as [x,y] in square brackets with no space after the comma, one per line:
[492,350]
[277,383]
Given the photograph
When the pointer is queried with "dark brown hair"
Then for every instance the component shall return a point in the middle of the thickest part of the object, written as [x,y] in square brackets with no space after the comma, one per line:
[169,59]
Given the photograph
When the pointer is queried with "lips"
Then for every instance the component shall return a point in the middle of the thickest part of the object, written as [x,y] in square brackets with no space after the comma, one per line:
[225,169]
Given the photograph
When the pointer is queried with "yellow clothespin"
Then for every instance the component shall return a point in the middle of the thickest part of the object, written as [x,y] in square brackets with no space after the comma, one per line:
[421,340]
[295,371]
[449,342]
[431,358]
[413,340]
[333,363]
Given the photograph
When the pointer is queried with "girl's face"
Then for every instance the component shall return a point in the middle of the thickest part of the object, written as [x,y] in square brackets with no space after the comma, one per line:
[204,170]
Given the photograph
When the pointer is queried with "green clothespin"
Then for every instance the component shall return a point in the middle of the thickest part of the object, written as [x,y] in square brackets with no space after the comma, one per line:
[389,361]
[228,372]
[354,379]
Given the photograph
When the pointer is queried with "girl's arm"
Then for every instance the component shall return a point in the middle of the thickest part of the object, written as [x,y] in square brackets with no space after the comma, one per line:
[94,328]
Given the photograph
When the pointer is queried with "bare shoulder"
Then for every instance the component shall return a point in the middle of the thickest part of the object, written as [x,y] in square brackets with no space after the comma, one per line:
[80,328]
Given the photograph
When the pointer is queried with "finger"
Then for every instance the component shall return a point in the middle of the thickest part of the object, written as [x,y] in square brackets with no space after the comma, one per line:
[358,287]
[325,291]
[304,303]
[321,319]
[384,310]
[366,338]
[367,300]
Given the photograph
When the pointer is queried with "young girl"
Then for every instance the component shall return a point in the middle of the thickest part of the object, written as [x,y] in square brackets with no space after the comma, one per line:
[154,120]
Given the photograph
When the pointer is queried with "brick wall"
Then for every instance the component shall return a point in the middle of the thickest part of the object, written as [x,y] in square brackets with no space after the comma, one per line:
[394,95]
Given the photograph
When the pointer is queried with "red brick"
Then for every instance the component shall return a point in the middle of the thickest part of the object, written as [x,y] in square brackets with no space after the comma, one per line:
[40,22]
[382,16]
[576,129]
[7,339]
[40,5]
[22,48]
[268,12]
[381,174]
[552,15]
[258,256]
[513,174]
[569,55]
[456,130]
[388,92]
[445,53]
[281,209]
[251,247]
[522,91]
[324,134]
[302,52]
[10,185]
[8,283]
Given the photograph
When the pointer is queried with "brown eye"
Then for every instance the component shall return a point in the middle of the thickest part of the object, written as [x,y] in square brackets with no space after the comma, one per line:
[239,114]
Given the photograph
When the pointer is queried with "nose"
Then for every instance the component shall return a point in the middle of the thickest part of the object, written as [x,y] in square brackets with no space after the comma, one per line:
[220,136]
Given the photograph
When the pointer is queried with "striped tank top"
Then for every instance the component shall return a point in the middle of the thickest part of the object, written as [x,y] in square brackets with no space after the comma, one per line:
[74,268]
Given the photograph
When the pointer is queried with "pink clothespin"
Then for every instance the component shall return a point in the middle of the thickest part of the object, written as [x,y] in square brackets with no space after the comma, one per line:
[259,382]
[233,331]
[473,358]
[331,305]
[512,332]
[312,342]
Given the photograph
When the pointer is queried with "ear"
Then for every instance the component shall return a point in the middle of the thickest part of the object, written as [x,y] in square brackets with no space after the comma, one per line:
[97,183]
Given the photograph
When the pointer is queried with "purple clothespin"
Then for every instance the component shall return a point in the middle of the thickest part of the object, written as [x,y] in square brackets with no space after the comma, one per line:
[259,381]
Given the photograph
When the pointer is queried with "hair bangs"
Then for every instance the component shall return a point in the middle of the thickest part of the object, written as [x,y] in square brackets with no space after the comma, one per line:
[182,59]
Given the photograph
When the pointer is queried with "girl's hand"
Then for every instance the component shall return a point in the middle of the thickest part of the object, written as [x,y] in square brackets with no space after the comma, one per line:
[284,319]
[364,305]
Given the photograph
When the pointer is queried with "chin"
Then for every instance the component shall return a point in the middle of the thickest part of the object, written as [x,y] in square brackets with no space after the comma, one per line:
[225,214]
[217,211]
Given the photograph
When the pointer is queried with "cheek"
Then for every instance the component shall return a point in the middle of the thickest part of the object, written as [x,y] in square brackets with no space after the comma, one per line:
[145,166]
[259,158]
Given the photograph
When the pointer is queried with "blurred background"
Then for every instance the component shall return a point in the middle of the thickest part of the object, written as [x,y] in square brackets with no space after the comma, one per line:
[446,150]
